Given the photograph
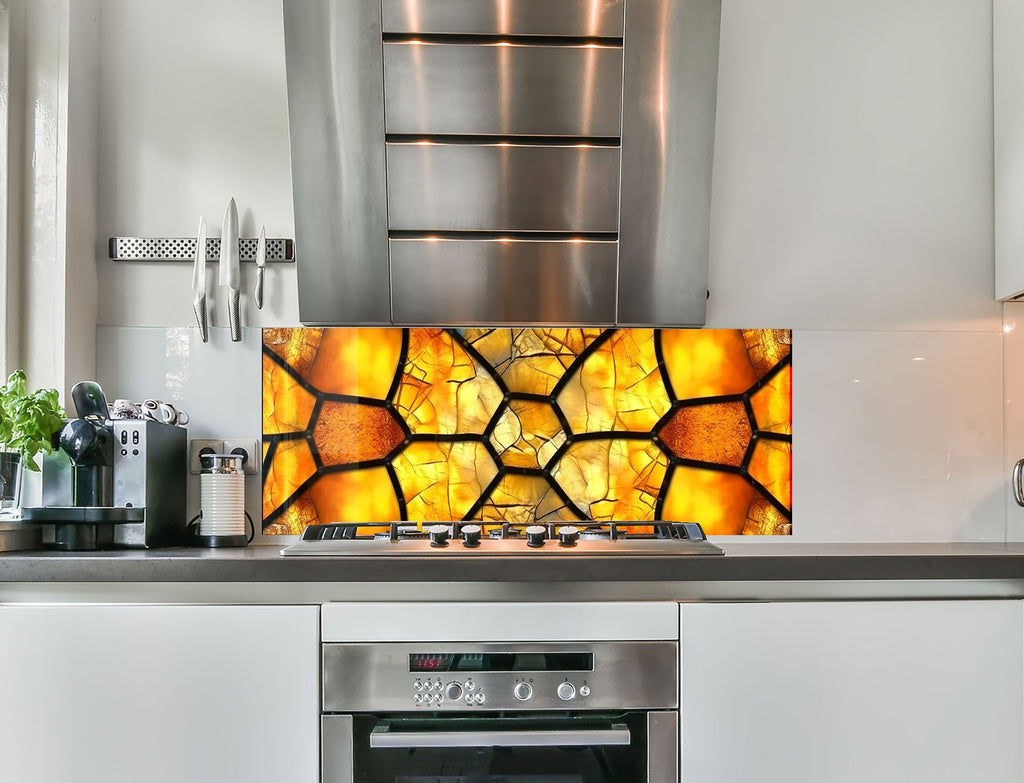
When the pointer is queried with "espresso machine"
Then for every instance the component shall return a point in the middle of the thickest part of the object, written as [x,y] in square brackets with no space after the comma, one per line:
[117,482]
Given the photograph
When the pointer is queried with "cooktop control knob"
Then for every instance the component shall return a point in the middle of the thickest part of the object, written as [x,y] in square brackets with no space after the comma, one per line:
[566,691]
[438,535]
[471,535]
[535,535]
[453,692]
[522,691]
[568,535]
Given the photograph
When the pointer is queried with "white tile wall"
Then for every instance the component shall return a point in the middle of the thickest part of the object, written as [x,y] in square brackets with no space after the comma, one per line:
[219,384]
[897,436]
[1013,396]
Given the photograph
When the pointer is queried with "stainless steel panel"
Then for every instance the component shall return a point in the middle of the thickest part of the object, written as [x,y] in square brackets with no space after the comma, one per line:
[502,89]
[376,677]
[502,187]
[336,749]
[617,734]
[336,127]
[598,18]
[494,281]
[670,70]
[663,747]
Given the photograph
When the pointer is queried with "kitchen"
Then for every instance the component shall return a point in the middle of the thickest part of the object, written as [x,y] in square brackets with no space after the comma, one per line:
[852,202]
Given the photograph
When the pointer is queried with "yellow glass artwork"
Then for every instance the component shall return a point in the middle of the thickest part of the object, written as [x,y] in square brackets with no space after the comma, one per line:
[527,424]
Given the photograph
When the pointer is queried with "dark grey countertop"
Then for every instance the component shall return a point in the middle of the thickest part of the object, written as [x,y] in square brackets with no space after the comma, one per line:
[742,562]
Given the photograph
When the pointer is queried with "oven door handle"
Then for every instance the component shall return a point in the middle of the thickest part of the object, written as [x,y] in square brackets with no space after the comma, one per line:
[383,737]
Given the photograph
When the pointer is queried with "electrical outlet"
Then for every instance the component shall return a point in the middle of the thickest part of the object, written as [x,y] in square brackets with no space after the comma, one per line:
[250,451]
[199,446]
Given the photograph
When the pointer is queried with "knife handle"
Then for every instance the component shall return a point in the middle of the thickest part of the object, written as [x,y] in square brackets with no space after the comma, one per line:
[234,317]
[199,306]
[258,293]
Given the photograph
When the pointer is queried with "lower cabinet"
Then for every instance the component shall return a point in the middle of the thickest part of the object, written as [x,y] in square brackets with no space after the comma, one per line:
[160,694]
[857,692]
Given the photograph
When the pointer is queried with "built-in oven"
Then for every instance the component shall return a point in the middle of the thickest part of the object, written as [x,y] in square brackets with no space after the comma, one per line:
[501,712]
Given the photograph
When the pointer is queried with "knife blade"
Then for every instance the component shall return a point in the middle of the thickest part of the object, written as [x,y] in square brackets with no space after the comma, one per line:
[261,262]
[199,281]
[229,273]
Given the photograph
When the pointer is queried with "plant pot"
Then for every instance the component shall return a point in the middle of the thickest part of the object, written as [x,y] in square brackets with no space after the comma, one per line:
[11,469]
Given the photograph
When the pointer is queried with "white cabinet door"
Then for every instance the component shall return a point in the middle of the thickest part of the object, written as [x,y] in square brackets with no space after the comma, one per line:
[901,692]
[1008,119]
[161,694]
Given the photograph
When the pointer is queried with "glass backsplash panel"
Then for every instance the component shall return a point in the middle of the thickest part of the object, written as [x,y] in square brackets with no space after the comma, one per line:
[522,425]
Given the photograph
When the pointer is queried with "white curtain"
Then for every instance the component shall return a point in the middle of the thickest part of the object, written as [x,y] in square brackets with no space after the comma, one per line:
[5,113]
[48,247]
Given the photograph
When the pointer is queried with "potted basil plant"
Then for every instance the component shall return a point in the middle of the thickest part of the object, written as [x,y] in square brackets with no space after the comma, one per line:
[28,423]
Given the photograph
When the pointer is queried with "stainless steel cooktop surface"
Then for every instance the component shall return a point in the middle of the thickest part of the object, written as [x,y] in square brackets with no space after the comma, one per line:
[468,539]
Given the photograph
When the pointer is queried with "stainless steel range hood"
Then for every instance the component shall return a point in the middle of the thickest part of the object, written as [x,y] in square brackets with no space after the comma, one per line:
[502,161]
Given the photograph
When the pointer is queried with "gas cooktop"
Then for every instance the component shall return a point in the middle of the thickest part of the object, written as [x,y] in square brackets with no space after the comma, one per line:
[469,539]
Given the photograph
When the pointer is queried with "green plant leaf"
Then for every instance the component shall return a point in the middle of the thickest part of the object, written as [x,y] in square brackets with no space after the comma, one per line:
[28,421]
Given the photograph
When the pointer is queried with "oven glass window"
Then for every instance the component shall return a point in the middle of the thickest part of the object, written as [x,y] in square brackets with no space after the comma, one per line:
[482,759]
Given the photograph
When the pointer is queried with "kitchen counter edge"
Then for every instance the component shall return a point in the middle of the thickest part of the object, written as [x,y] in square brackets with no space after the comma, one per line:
[742,562]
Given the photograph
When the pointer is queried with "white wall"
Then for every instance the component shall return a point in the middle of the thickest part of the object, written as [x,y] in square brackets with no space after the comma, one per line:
[193,112]
[852,202]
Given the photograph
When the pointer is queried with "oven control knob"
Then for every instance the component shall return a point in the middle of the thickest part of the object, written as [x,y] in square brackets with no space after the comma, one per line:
[471,535]
[438,535]
[453,692]
[536,535]
[566,691]
[584,690]
[522,691]
[568,535]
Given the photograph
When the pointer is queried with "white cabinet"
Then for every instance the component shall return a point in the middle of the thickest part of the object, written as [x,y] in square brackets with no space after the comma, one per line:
[161,694]
[1008,128]
[908,692]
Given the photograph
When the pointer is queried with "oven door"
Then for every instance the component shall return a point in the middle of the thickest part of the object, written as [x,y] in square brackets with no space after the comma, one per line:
[631,747]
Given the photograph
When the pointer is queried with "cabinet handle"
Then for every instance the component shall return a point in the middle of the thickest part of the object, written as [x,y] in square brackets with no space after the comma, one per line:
[1018,486]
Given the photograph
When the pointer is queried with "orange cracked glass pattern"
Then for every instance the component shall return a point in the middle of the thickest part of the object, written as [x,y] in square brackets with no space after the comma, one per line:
[521,425]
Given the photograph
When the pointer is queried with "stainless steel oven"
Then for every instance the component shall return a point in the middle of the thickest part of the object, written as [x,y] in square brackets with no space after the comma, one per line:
[517,712]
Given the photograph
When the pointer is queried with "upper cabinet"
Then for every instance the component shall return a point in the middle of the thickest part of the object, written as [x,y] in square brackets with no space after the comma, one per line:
[502,161]
[1008,107]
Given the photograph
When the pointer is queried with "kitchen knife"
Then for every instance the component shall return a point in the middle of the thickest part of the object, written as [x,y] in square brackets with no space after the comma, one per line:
[199,281]
[229,275]
[261,261]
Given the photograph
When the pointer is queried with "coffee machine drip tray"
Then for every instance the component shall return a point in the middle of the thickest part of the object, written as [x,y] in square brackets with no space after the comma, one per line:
[89,515]
[77,528]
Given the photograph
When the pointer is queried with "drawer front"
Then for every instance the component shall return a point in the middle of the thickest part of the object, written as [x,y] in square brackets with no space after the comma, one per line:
[502,187]
[597,18]
[502,89]
[503,281]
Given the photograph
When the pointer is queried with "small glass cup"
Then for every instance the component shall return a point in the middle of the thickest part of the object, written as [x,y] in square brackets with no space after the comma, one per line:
[11,469]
